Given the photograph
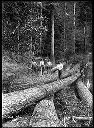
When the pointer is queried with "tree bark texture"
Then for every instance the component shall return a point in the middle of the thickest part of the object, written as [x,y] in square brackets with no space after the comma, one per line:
[84,93]
[15,101]
[42,79]
[45,115]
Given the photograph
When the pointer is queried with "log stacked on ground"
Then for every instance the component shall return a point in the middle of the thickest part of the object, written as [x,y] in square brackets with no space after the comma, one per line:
[15,101]
[44,115]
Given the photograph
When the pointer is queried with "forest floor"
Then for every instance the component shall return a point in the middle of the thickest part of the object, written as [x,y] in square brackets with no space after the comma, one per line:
[66,102]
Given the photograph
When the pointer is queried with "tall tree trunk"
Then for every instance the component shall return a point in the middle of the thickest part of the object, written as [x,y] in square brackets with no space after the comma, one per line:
[41,26]
[52,42]
[18,41]
[74,25]
[64,27]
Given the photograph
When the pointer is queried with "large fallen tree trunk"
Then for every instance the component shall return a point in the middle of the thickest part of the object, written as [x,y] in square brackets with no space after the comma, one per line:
[65,74]
[43,79]
[84,93]
[75,68]
[44,115]
[15,101]
[28,82]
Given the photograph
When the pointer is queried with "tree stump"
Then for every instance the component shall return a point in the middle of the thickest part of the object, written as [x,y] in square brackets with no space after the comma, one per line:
[45,115]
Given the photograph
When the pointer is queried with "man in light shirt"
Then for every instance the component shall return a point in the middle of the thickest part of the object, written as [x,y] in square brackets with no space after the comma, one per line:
[49,65]
[42,66]
[59,68]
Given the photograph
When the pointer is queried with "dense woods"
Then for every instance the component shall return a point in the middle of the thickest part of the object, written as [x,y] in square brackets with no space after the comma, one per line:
[26,28]
[48,32]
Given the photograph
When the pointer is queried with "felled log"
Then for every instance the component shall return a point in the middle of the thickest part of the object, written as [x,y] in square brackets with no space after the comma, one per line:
[44,115]
[15,101]
[84,93]
[51,78]
[43,79]
[64,73]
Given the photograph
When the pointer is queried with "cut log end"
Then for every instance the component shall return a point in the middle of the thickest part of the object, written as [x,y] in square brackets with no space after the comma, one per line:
[45,115]
[84,93]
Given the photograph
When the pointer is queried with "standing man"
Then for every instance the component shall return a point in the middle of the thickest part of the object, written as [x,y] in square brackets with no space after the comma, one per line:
[42,66]
[49,65]
[59,68]
[34,66]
